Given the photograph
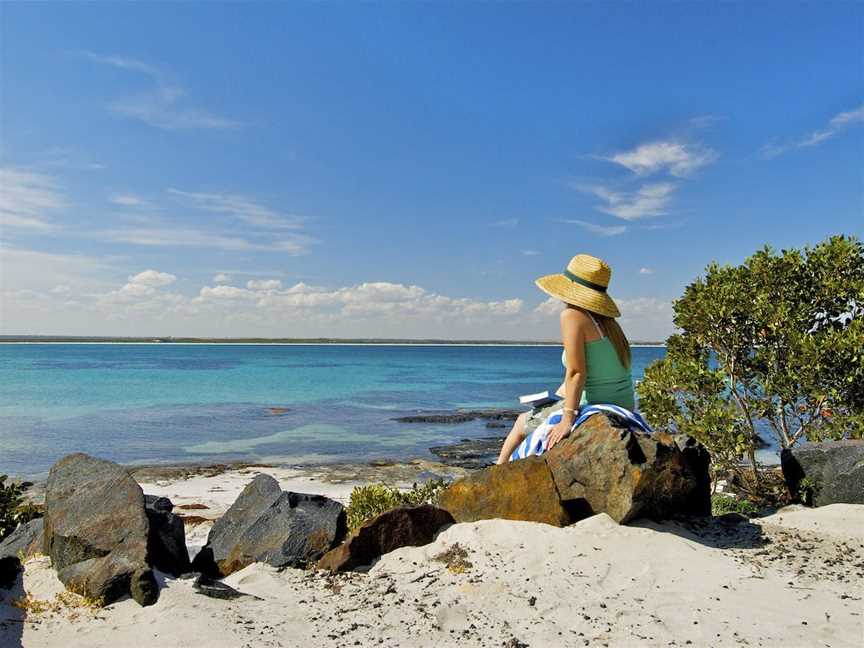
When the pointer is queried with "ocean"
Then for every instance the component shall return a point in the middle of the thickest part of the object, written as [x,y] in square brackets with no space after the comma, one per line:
[172,403]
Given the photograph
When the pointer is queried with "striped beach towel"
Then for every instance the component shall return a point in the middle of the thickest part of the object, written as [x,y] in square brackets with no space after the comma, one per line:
[535,443]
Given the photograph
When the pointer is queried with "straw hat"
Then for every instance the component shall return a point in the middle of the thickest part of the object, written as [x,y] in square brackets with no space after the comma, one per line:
[582,284]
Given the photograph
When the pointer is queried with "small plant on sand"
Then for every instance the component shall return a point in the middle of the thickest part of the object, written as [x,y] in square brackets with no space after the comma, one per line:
[722,504]
[775,343]
[807,491]
[368,501]
[66,602]
[455,558]
[14,510]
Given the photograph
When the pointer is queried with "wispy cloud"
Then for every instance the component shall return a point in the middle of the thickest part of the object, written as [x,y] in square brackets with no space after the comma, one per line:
[26,197]
[163,104]
[669,156]
[67,158]
[127,200]
[236,206]
[508,223]
[197,238]
[646,271]
[602,230]
[836,125]
[649,200]
[530,252]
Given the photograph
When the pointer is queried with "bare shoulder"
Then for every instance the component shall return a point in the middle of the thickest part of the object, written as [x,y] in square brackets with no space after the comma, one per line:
[574,316]
[574,319]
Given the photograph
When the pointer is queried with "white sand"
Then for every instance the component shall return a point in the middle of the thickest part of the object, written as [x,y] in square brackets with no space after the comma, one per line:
[594,583]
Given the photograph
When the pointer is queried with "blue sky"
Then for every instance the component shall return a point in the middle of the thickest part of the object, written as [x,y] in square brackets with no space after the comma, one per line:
[408,169]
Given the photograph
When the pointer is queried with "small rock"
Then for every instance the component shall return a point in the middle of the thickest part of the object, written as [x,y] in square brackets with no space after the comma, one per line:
[399,527]
[215,589]
[265,524]
[24,541]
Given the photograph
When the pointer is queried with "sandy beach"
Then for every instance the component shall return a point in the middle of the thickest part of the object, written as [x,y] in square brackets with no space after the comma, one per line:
[795,578]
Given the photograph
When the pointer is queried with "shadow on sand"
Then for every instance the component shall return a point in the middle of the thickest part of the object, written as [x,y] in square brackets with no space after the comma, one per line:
[12,619]
[729,531]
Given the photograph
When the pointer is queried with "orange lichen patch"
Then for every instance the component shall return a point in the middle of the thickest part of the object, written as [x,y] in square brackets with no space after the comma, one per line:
[519,490]
[192,507]
[194,519]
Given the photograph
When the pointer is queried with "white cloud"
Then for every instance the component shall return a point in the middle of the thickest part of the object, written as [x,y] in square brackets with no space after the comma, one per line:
[677,158]
[152,279]
[365,300]
[835,126]
[646,271]
[221,278]
[239,207]
[550,306]
[530,252]
[188,237]
[601,230]
[55,294]
[127,200]
[646,318]
[25,199]
[642,318]
[649,200]
[161,105]
[264,284]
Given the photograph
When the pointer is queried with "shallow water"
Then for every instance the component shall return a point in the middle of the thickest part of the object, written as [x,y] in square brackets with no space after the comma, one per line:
[174,403]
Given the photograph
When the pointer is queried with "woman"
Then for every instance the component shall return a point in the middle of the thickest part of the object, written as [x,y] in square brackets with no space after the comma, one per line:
[596,353]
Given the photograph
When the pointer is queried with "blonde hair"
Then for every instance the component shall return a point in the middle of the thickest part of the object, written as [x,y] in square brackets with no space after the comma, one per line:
[612,330]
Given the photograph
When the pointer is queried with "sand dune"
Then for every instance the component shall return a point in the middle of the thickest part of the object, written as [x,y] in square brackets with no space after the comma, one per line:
[793,579]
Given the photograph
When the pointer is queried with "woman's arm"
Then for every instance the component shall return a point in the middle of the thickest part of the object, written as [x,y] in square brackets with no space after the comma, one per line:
[573,337]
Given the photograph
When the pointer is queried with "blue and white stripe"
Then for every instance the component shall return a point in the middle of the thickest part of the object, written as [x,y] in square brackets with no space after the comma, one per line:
[535,443]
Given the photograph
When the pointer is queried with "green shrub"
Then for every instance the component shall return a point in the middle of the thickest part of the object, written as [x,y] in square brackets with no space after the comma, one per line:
[777,342]
[721,504]
[14,510]
[368,501]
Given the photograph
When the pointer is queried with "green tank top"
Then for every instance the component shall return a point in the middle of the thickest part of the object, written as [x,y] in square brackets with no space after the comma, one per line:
[607,380]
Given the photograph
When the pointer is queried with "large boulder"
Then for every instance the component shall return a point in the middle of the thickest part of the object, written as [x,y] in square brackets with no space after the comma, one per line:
[166,541]
[386,532]
[825,473]
[518,490]
[96,530]
[266,524]
[603,467]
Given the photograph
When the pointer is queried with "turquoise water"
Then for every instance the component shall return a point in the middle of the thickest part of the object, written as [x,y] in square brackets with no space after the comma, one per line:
[173,403]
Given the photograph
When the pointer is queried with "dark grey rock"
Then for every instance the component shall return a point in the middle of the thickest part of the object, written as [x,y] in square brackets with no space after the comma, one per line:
[470,453]
[265,524]
[215,589]
[697,460]
[825,473]
[461,416]
[24,541]
[166,540]
[386,532]
[96,529]
[143,586]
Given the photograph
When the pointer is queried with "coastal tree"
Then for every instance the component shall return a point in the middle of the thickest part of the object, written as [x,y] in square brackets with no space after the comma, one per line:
[775,344]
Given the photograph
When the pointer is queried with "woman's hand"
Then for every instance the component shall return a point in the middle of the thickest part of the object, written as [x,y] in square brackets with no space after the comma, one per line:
[560,431]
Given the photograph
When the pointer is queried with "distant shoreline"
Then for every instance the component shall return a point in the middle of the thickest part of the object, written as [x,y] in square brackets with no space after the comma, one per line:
[24,339]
